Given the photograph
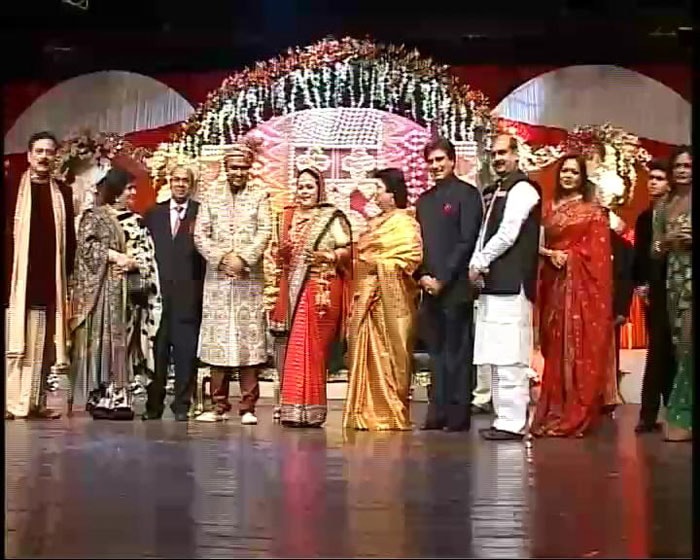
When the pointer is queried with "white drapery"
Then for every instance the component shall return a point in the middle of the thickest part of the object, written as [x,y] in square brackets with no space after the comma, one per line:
[112,101]
[596,94]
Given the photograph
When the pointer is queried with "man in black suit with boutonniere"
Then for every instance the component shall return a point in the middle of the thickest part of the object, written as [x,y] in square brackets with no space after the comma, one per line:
[450,217]
[181,270]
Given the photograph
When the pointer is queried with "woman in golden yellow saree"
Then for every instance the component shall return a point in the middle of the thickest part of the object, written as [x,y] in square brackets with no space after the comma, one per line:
[380,330]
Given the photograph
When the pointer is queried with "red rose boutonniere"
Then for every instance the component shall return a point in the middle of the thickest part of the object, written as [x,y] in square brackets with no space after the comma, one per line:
[447,209]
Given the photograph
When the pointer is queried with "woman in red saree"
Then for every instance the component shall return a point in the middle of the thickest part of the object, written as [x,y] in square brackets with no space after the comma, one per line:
[575,308]
[312,254]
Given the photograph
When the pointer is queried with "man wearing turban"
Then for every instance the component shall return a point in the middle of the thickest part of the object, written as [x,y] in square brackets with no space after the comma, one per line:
[232,230]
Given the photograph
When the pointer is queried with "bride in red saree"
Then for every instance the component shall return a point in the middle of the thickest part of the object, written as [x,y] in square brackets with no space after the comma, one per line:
[313,265]
[575,308]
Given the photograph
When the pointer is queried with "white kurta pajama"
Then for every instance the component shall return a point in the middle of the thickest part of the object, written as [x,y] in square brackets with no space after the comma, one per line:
[233,331]
[503,333]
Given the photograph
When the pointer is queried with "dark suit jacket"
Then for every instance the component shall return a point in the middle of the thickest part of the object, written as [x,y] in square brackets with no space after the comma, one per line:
[450,218]
[647,270]
[180,267]
[623,284]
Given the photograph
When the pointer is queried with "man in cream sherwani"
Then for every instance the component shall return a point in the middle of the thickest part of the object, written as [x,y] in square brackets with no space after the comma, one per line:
[232,231]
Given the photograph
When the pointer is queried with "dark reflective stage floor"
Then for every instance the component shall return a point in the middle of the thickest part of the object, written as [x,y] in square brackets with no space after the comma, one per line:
[78,488]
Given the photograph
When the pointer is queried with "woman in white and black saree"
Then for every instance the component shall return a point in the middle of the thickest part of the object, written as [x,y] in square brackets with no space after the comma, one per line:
[116,303]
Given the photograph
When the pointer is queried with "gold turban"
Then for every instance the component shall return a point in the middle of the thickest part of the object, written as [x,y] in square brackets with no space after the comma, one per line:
[243,152]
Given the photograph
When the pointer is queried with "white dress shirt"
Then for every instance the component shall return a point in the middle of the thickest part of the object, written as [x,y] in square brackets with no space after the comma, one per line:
[521,200]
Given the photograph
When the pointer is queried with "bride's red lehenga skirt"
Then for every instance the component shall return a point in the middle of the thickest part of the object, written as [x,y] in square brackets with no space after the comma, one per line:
[303,393]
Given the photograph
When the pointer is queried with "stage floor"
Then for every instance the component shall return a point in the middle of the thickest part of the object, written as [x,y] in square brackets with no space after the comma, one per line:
[161,489]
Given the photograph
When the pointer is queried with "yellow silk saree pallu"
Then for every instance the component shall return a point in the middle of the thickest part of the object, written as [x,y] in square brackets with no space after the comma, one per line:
[380,332]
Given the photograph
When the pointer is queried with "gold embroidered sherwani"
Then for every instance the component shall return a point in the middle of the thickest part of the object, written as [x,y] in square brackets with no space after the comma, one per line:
[233,331]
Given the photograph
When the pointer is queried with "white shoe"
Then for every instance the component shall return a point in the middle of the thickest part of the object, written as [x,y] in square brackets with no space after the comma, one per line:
[249,419]
[211,416]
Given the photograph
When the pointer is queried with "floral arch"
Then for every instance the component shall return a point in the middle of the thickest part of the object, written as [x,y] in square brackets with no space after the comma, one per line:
[337,73]
[337,101]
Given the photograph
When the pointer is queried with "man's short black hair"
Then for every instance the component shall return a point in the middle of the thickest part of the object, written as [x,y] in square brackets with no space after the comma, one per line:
[43,135]
[443,144]
[395,184]
[658,164]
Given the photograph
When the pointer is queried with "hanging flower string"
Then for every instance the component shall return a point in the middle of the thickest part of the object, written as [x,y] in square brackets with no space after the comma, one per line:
[624,146]
[84,148]
[336,73]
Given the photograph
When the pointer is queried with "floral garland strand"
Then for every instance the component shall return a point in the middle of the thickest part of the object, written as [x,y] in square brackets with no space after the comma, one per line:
[83,149]
[336,73]
[624,152]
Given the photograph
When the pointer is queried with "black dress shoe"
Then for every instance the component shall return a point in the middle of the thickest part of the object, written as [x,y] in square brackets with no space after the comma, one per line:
[43,413]
[458,417]
[151,416]
[458,428]
[431,426]
[435,417]
[501,435]
[476,410]
[644,428]
[181,417]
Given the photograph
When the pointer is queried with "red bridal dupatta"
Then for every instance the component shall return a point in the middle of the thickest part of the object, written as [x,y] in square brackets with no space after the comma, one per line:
[576,322]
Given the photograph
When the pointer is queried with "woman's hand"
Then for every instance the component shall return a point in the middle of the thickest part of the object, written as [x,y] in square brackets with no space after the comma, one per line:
[122,262]
[558,258]
[321,257]
[678,239]
[131,264]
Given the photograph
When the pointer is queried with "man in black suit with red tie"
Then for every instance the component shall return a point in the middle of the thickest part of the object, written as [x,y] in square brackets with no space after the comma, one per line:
[450,217]
[181,269]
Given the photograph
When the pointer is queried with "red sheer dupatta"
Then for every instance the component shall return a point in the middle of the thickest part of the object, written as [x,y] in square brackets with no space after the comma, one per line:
[280,313]
[575,321]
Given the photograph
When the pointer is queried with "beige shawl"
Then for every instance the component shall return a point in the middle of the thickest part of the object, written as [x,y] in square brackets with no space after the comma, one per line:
[18,295]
